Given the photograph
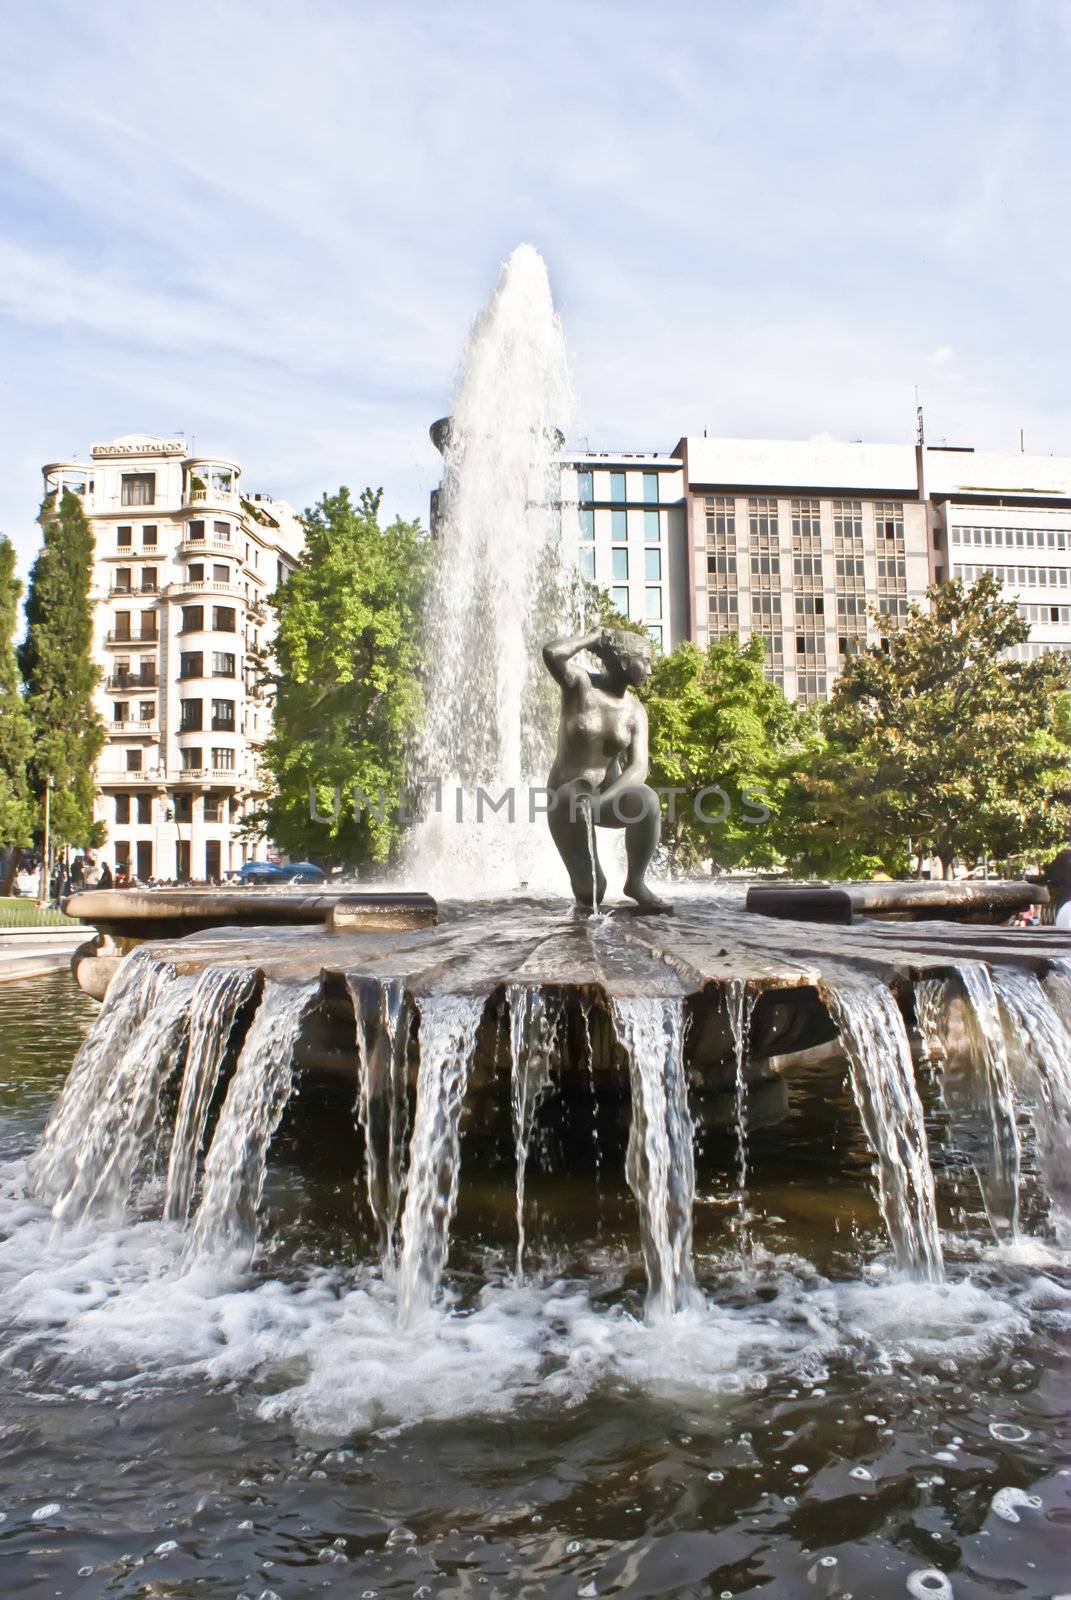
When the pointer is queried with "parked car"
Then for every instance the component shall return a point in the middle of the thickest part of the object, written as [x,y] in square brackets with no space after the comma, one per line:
[269,872]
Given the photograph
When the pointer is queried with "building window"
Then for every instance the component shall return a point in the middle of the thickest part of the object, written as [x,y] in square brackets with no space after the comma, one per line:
[652,527]
[122,808]
[653,603]
[223,758]
[223,619]
[193,619]
[148,580]
[138,489]
[215,808]
[148,535]
[222,531]
[650,488]
[191,664]
[221,573]
[223,716]
[889,519]
[190,716]
[124,537]
[124,577]
[654,633]
[617,486]
[119,710]
[584,487]
[183,806]
[195,572]
[133,761]
[806,522]
[191,760]
[587,523]
[619,600]
[619,565]
[587,561]
[195,532]
[224,665]
[146,710]
[122,855]
[618,525]
[652,565]
[144,808]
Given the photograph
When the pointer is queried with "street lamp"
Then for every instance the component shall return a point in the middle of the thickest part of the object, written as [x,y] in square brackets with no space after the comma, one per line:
[50,784]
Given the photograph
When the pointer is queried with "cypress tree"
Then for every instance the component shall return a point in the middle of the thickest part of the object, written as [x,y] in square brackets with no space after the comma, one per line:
[60,674]
[16,811]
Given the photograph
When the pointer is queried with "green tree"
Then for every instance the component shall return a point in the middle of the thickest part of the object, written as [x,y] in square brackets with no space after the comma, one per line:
[717,722]
[16,739]
[60,674]
[345,676]
[943,744]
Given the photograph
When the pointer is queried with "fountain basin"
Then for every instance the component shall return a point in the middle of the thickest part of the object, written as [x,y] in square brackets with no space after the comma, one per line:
[705,956]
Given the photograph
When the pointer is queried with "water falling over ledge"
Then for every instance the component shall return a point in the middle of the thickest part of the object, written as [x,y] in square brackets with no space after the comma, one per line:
[683,1022]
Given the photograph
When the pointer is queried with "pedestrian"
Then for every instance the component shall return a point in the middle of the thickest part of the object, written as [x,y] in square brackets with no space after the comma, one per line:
[106,880]
[91,876]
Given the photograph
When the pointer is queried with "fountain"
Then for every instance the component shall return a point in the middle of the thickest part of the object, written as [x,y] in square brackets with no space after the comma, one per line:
[445,1019]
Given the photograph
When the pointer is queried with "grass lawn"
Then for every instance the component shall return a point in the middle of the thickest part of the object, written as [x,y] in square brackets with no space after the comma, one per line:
[19,912]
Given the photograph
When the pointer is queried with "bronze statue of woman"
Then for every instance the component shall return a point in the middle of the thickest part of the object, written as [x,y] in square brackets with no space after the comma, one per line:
[598,776]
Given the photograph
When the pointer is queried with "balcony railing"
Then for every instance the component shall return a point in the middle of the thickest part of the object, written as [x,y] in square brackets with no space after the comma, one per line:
[117,590]
[211,496]
[205,586]
[132,680]
[208,775]
[193,547]
[135,725]
[129,639]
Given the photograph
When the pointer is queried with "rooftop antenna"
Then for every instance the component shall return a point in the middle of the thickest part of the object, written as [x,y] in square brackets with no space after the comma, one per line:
[920,429]
[1022,444]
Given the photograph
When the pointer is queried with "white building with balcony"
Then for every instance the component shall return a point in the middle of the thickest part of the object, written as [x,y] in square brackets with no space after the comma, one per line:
[184,562]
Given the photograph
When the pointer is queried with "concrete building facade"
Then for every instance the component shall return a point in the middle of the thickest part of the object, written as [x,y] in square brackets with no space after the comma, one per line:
[184,560]
[803,541]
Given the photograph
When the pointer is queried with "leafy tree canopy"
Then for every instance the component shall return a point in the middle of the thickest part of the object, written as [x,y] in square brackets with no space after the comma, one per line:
[345,676]
[717,722]
[60,674]
[941,743]
[16,738]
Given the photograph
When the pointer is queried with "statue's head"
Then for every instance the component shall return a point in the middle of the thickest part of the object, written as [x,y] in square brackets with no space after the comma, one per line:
[627,653]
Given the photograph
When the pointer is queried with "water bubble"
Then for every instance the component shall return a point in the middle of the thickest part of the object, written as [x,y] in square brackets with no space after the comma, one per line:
[329,1553]
[85,1572]
[715,1476]
[862,1473]
[790,1499]
[401,1535]
[1005,1501]
[573,1546]
[929,1584]
[827,1561]
[246,1525]
[587,1591]
[166,1548]
[799,1469]
[42,1513]
[269,1594]
[1009,1432]
[945,1455]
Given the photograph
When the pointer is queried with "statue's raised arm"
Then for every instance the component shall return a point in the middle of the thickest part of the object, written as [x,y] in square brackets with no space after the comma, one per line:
[598,779]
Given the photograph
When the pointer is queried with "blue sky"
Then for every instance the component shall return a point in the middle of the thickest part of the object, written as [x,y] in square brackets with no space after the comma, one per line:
[269,225]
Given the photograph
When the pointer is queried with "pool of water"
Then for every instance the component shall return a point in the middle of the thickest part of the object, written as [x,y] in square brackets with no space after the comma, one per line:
[814,1427]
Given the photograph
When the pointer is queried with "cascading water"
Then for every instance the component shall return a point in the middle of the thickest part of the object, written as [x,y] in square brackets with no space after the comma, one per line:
[503,583]
[118,1125]
[960,1025]
[132,994]
[883,1085]
[532,1028]
[382,1019]
[226,1220]
[740,1003]
[220,996]
[661,1160]
[1039,1051]
[447,1037]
